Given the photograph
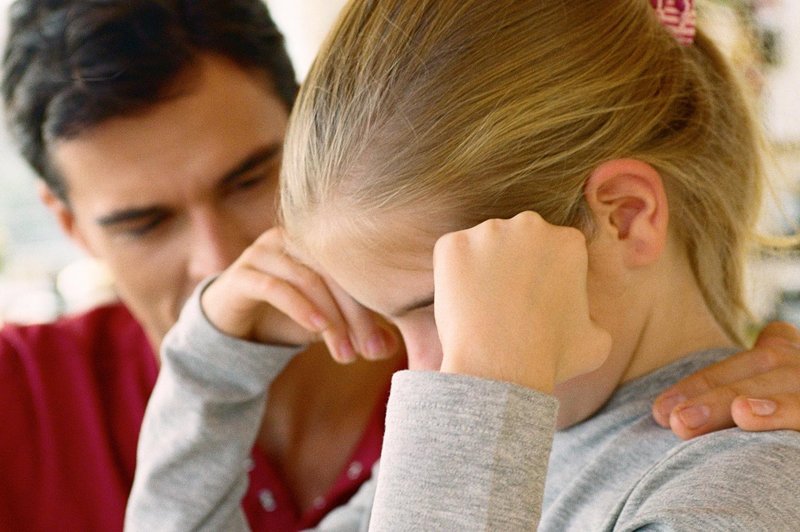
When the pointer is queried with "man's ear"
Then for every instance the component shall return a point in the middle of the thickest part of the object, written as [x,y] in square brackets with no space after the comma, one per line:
[63,214]
[629,205]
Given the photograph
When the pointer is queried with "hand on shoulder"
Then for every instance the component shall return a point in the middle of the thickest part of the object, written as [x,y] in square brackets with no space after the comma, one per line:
[756,390]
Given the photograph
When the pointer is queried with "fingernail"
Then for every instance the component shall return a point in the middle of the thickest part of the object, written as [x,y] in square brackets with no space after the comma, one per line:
[346,352]
[695,416]
[668,403]
[762,407]
[376,346]
[319,321]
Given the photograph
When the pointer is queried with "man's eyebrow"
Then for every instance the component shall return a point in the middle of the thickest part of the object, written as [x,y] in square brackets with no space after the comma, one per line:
[426,301]
[128,215]
[254,160]
[258,157]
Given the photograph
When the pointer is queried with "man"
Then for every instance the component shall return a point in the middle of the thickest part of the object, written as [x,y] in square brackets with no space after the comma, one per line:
[155,127]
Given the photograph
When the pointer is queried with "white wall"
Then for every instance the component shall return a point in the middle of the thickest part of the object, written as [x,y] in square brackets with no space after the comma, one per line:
[305,24]
[783,84]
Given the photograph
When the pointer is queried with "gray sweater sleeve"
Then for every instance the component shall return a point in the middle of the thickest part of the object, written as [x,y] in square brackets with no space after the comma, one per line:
[200,426]
[462,453]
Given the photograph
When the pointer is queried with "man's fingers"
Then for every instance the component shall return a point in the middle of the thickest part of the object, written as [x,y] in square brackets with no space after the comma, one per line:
[736,367]
[780,411]
[779,335]
[777,346]
[712,410]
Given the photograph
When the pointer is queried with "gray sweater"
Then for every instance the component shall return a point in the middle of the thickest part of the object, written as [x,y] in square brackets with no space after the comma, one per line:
[460,453]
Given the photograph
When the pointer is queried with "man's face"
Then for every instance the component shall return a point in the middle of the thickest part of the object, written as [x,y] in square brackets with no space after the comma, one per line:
[174,194]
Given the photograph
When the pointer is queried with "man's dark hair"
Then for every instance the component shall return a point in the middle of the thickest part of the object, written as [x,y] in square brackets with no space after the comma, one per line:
[71,64]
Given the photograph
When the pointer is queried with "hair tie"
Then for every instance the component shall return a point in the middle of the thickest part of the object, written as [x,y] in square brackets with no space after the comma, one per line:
[679,17]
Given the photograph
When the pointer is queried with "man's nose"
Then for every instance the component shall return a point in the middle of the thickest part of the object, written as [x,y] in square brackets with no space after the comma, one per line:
[215,244]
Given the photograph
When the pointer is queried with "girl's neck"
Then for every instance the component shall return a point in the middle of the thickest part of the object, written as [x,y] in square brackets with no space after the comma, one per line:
[661,318]
[681,326]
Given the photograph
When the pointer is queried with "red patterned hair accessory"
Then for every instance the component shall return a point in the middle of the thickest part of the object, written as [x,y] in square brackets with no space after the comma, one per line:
[679,17]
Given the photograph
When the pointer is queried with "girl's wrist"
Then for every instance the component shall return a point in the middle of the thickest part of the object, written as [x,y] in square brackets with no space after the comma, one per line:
[539,377]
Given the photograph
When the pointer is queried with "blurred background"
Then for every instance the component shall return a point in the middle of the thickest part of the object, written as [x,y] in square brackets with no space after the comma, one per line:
[43,276]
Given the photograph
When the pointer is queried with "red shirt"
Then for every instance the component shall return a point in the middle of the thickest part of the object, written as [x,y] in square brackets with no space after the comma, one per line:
[72,399]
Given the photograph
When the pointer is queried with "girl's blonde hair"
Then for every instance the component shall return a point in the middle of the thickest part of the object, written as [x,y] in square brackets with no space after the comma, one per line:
[474,109]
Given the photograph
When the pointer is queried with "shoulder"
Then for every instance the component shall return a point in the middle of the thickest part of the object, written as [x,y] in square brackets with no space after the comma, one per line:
[732,480]
[91,342]
[108,325]
[73,393]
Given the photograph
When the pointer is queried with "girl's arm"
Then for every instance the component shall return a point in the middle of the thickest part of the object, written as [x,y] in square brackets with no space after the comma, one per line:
[462,453]
[467,448]
[210,397]
[200,426]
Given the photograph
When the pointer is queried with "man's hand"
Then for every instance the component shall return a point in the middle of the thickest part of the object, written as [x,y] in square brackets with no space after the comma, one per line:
[756,390]
[268,296]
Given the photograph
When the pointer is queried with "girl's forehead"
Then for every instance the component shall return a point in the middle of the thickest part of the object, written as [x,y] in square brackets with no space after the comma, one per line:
[402,239]
[383,288]
[382,277]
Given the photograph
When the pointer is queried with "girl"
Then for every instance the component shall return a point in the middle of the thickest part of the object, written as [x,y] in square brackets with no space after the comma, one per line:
[551,200]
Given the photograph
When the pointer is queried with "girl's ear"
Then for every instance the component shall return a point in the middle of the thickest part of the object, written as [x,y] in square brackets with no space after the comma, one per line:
[629,207]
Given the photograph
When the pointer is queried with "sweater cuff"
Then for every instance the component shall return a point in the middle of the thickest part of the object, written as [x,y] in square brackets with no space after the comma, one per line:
[461,451]
[217,360]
